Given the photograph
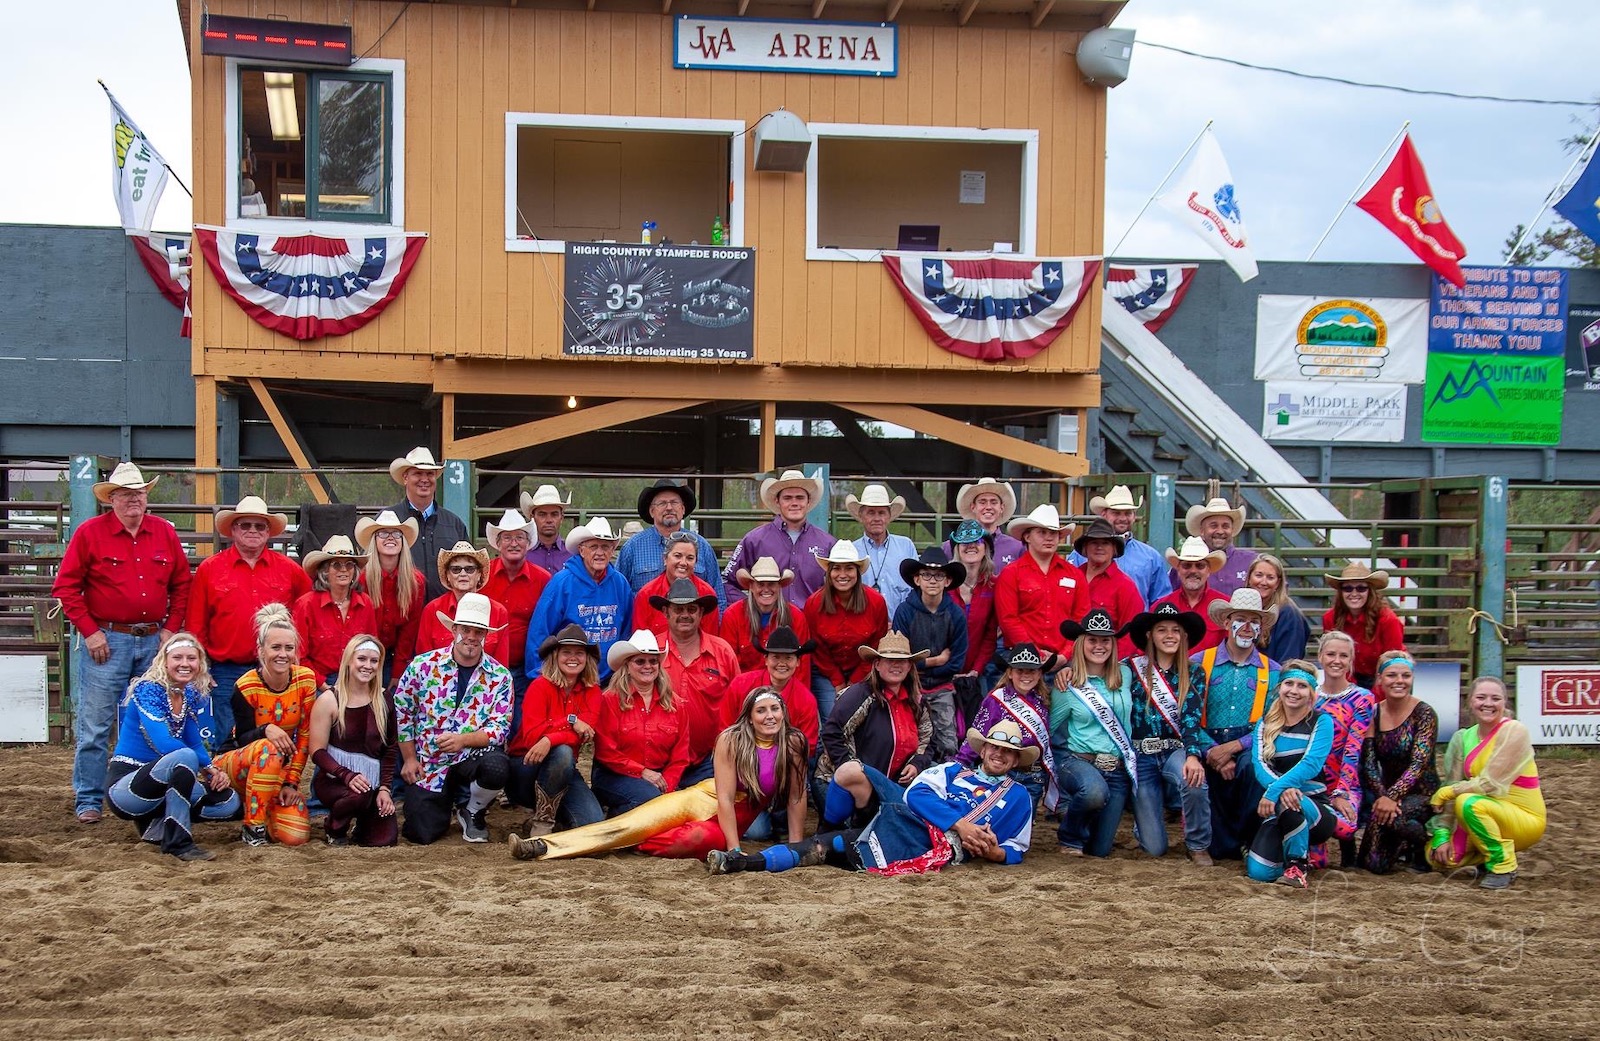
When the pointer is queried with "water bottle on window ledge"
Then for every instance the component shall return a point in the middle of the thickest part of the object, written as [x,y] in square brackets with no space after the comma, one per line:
[718,234]
[644,232]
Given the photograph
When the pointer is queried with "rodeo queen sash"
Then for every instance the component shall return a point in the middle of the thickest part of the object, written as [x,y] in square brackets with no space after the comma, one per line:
[1103,713]
[1035,727]
[1161,695]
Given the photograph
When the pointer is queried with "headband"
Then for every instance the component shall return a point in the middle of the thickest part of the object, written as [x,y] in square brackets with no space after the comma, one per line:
[1298,674]
[180,642]
[374,644]
[764,695]
[1389,657]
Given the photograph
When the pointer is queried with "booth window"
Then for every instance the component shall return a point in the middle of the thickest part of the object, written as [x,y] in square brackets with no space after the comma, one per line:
[316,145]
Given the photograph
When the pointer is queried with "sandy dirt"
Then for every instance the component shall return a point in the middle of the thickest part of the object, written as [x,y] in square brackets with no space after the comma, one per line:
[103,937]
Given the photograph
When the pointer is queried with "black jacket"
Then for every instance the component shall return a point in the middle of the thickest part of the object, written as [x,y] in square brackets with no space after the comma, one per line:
[438,532]
[859,727]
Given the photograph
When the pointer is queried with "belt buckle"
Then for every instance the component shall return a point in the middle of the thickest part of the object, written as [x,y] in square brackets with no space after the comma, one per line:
[1151,746]
[1107,764]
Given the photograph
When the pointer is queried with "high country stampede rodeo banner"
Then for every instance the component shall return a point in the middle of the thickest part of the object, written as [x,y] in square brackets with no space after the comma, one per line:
[656,301]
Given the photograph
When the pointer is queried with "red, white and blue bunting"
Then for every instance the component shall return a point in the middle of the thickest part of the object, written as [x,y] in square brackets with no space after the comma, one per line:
[1150,294]
[989,307]
[306,286]
[152,253]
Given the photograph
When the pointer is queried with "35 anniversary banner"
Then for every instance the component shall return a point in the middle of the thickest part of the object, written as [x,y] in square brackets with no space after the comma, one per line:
[628,301]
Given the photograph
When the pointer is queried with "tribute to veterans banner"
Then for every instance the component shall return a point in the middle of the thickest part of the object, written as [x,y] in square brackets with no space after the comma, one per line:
[1583,347]
[989,307]
[639,301]
[308,286]
[1496,357]
[1560,704]
[1350,413]
[1150,294]
[1332,338]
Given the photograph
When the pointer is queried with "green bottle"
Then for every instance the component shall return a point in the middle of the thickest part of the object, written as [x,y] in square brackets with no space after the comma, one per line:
[716,230]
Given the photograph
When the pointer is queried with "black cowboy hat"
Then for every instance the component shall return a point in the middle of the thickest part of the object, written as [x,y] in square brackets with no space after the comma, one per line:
[570,635]
[1100,528]
[1138,630]
[683,592]
[932,559]
[1096,623]
[783,641]
[666,484]
[1027,656]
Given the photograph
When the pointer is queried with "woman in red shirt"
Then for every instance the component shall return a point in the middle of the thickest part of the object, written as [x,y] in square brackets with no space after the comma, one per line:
[559,713]
[394,585]
[641,744]
[335,611]
[1360,612]
[678,561]
[463,570]
[780,670]
[843,615]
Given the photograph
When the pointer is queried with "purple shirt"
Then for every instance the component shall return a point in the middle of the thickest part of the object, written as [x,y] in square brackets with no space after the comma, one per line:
[552,557]
[797,555]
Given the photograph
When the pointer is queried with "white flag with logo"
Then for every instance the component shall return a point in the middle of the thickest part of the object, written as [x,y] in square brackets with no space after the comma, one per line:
[1203,198]
[138,173]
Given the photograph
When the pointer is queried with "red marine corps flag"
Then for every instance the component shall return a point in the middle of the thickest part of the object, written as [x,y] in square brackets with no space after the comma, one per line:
[1402,202]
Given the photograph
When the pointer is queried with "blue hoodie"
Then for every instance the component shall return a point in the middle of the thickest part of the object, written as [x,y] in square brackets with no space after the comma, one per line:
[602,609]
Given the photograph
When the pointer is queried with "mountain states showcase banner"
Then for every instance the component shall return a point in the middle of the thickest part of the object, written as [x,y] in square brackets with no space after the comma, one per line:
[1348,413]
[638,301]
[1496,357]
[1330,338]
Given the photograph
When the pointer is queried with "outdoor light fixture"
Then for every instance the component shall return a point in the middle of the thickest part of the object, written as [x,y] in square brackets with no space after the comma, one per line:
[281,109]
[572,401]
[1104,56]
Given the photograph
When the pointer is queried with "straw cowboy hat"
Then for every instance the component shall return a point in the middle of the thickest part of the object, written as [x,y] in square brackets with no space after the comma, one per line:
[782,641]
[544,495]
[843,553]
[1026,656]
[1195,548]
[416,459]
[892,647]
[969,492]
[1096,623]
[932,559]
[471,610]
[648,496]
[251,506]
[1120,497]
[1004,734]
[463,549]
[1138,630]
[1243,601]
[510,520]
[765,570]
[337,547]
[597,528]
[643,641]
[125,476]
[770,488]
[682,592]
[1042,517]
[1101,529]
[875,495]
[1378,580]
[1217,507]
[569,635]
[367,529]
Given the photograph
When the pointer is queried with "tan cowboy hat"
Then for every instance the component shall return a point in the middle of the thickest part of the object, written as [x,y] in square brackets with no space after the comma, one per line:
[251,506]
[843,552]
[1004,734]
[597,528]
[1378,580]
[472,609]
[510,520]
[643,641]
[338,547]
[544,495]
[770,488]
[969,492]
[462,549]
[1042,517]
[765,570]
[1217,507]
[1195,548]
[875,495]
[1120,497]
[893,647]
[125,476]
[367,529]
[416,459]
[1243,601]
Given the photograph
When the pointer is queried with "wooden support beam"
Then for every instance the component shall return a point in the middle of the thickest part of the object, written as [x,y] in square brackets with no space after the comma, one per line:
[767,454]
[447,425]
[570,424]
[666,6]
[289,434]
[345,367]
[816,8]
[1041,11]
[743,6]
[967,7]
[892,12]
[205,453]
[977,438]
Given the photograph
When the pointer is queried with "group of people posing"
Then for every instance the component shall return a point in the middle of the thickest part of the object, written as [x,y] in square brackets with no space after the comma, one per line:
[924,703]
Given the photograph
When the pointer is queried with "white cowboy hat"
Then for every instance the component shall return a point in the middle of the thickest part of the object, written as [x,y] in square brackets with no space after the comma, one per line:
[1120,497]
[765,570]
[1195,548]
[1376,580]
[770,488]
[1042,517]
[544,495]
[251,506]
[416,459]
[969,492]
[643,641]
[1243,601]
[843,552]
[875,495]
[1004,734]
[473,610]
[367,529]
[338,547]
[511,520]
[597,528]
[127,476]
[1217,507]
[463,549]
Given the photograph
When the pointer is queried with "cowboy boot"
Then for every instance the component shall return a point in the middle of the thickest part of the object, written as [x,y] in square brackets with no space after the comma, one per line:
[543,819]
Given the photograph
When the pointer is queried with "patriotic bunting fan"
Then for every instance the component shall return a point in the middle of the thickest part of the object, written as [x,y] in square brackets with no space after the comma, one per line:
[1150,294]
[152,253]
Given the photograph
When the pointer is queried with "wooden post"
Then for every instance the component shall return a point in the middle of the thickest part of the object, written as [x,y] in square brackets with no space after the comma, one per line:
[767,456]
[290,436]
[447,410]
[205,454]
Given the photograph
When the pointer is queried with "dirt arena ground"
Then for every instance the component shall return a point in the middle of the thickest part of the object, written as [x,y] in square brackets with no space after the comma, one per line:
[102,937]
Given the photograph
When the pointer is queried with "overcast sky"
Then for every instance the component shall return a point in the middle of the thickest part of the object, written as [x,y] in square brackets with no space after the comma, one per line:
[1297,148]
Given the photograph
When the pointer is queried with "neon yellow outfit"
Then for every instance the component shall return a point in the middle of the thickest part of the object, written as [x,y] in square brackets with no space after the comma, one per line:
[1490,804]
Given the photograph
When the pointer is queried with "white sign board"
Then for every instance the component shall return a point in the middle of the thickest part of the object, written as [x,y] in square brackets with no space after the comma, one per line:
[1560,704]
[974,186]
[785,45]
[1352,413]
[1326,338]
[24,698]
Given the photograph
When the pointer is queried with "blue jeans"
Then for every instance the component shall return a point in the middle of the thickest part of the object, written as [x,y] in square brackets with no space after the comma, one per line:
[619,793]
[519,687]
[704,770]
[1160,777]
[226,675]
[162,798]
[1095,802]
[97,691]
[825,692]
[557,776]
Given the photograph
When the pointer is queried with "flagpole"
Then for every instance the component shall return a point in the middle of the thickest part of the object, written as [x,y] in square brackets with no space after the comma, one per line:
[1160,186]
[1527,229]
[1403,127]
[169,169]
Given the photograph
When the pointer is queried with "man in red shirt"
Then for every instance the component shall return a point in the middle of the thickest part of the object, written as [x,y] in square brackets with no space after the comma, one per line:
[230,587]
[700,667]
[1109,589]
[1194,565]
[1040,590]
[514,583]
[124,585]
